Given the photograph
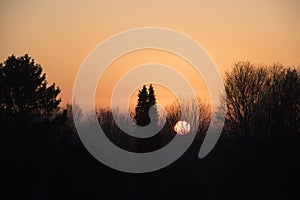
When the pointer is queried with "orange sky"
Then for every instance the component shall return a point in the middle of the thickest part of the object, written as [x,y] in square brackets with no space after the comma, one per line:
[137,58]
[60,34]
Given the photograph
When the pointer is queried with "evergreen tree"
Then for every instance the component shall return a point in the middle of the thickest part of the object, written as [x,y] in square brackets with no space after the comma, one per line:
[146,99]
[24,94]
[141,111]
[152,102]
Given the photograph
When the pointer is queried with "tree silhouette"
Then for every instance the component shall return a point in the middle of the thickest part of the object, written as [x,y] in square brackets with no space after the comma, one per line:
[264,102]
[141,111]
[146,99]
[243,87]
[24,93]
[282,105]
[33,131]
[152,102]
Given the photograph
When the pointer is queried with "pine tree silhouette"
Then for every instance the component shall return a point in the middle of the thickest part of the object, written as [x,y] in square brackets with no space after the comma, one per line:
[24,93]
[152,102]
[145,101]
[141,111]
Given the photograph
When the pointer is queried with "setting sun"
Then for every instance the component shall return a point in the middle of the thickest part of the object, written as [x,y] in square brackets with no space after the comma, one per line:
[182,127]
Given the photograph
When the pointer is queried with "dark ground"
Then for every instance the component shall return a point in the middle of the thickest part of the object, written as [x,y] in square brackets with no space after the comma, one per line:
[244,171]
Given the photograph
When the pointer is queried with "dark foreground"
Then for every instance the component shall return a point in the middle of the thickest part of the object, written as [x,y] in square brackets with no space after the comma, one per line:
[246,170]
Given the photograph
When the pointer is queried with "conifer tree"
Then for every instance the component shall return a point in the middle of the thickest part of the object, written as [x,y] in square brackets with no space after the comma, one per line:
[141,111]
[152,102]
[146,99]
[24,92]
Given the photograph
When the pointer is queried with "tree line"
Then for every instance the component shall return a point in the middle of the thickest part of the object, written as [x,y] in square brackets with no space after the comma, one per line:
[263,102]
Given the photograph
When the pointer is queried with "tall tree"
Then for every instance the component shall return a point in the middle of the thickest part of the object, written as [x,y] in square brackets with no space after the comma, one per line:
[282,103]
[146,100]
[152,103]
[32,132]
[243,87]
[263,101]
[141,110]
[24,93]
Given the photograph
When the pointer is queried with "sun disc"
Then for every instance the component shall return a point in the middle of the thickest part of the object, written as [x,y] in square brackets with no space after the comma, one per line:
[182,127]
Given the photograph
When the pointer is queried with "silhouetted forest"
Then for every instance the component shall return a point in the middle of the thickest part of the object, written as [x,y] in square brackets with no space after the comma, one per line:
[257,156]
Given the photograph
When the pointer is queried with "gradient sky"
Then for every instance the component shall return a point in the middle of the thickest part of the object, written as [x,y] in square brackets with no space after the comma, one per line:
[60,34]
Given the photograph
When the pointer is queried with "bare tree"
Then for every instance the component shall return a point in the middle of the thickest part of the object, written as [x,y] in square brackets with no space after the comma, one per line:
[243,86]
[282,104]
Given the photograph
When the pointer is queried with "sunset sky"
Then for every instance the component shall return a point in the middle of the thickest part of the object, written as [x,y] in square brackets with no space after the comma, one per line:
[60,34]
